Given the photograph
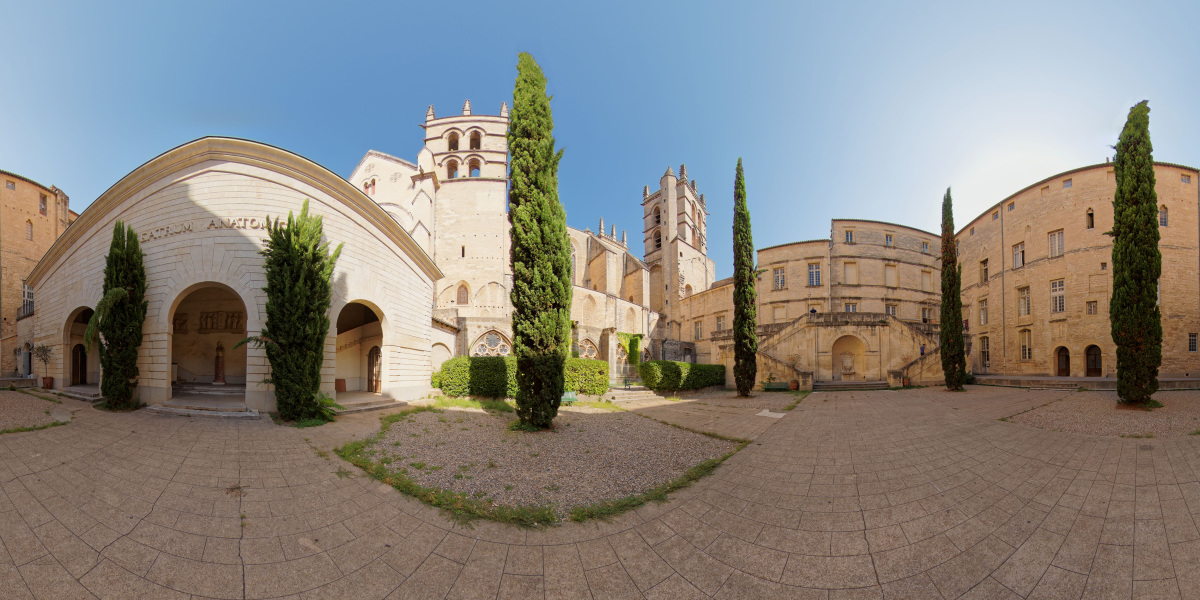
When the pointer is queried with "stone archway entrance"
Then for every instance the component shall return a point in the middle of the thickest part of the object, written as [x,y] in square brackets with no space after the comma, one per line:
[849,359]
[1095,362]
[208,368]
[1062,361]
[359,360]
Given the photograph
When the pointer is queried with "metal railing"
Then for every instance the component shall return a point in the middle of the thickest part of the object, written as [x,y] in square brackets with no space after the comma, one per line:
[25,310]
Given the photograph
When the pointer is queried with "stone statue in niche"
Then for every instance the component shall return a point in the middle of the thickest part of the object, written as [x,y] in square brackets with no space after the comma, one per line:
[847,365]
[233,322]
[219,366]
[180,323]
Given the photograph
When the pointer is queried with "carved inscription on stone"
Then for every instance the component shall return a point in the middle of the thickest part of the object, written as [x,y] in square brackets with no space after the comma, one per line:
[221,322]
[180,323]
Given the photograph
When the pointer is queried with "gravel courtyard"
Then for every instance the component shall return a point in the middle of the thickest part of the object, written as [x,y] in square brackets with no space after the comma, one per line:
[20,410]
[591,455]
[1097,413]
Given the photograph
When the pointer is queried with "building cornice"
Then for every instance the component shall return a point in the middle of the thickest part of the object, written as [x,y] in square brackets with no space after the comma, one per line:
[255,154]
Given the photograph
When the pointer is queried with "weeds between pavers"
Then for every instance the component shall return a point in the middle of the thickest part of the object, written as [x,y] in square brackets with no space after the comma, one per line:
[463,508]
[800,396]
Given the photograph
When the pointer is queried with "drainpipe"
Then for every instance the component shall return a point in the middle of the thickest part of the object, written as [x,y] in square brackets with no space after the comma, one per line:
[1003,296]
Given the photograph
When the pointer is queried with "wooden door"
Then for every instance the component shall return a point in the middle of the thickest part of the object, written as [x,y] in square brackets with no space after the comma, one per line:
[373,368]
[1064,362]
[1095,363]
[78,365]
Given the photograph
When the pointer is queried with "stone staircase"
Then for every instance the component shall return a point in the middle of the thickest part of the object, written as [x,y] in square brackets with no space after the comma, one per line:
[849,386]
[366,403]
[206,400]
[631,394]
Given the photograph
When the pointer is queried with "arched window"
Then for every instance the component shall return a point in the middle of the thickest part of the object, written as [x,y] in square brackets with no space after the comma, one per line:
[474,169]
[1091,219]
[476,140]
[29,230]
[1162,216]
[462,294]
[453,142]
[572,262]
[491,344]
[369,187]
[452,169]
[657,216]
[687,290]
[657,239]
[588,350]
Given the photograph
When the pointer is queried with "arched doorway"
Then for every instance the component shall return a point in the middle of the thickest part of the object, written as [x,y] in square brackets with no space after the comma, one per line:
[1062,359]
[359,359]
[1095,361]
[849,359]
[206,364]
[79,365]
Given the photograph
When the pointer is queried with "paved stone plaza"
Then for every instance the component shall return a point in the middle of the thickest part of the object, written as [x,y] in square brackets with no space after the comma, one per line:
[912,494]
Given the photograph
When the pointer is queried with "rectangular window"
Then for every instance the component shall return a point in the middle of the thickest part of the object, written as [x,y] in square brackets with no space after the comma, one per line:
[850,273]
[849,236]
[890,309]
[924,246]
[927,281]
[42,204]
[889,275]
[720,323]
[1026,338]
[995,215]
[26,301]
[972,231]
[926,315]
[887,240]
[814,273]
[1011,205]
[1183,178]
[697,331]
[983,271]
[1103,266]
[1023,302]
[12,185]
[1058,296]
[1056,243]
[1066,183]
[1018,255]
[983,312]
[780,279]
[1191,342]
[985,352]
[1093,307]
[851,307]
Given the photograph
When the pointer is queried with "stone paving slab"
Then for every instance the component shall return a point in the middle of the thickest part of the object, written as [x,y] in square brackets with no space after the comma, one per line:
[888,494]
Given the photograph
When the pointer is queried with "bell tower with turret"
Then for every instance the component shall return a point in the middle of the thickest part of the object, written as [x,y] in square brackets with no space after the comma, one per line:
[676,238]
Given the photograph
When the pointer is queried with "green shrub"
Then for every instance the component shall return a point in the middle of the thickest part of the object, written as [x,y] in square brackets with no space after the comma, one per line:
[668,376]
[496,377]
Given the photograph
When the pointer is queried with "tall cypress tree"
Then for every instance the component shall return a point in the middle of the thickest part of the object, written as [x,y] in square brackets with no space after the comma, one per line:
[118,318]
[745,296]
[954,359]
[1137,263]
[541,252]
[299,268]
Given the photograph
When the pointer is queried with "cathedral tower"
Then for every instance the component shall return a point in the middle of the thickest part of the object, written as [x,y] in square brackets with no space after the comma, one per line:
[676,234]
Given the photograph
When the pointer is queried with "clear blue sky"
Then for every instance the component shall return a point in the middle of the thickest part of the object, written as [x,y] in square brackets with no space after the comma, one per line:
[838,109]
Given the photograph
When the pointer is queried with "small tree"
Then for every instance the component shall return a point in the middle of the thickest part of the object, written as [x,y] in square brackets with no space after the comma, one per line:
[298,268]
[541,252]
[117,319]
[44,354]
[954,359]
[745,296]
[1137,263]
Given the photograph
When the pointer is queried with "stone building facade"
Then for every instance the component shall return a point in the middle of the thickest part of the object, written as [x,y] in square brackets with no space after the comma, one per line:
[851,307]
[453,200]
[200,211]
[32,216]
[1037,276]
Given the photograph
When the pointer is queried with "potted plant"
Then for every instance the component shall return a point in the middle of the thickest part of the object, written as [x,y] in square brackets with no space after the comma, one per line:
[44,353]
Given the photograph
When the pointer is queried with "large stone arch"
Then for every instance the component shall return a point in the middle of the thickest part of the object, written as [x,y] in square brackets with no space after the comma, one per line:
[357,331]
[193,336]
[849,358]
[72,336]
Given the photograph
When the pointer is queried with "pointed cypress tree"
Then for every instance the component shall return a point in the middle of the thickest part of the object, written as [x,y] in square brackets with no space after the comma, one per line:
[954,359]
[299,269]
[1137,263]
[541,253]
[745,296]
[118,318]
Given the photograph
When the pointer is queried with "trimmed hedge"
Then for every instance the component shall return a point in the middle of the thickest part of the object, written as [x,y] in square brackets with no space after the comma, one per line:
[496,377]
[668,376]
